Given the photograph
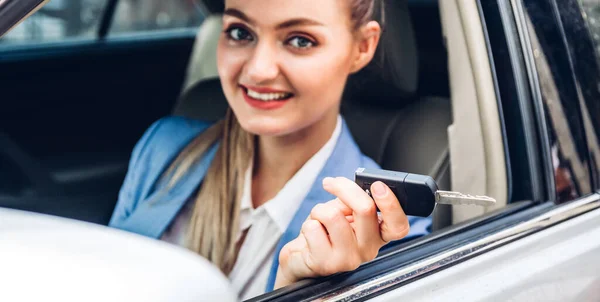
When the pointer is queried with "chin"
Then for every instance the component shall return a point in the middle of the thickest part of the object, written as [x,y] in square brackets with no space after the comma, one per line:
[266,127]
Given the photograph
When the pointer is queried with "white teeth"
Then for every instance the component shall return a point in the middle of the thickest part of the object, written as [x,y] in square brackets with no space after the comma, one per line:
[267,96]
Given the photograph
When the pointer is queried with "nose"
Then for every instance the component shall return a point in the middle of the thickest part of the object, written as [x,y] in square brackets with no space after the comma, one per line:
[262,67]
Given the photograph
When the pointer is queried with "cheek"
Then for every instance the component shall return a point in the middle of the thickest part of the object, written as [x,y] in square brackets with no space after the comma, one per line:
[319,80]
[230,61]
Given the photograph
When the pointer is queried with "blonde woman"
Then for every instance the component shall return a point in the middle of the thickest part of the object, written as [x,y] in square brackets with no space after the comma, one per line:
[265,194]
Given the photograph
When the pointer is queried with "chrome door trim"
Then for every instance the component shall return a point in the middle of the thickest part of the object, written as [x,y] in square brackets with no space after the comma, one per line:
[448,258]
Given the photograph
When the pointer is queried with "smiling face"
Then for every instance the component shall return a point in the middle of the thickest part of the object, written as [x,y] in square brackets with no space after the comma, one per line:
[283,64]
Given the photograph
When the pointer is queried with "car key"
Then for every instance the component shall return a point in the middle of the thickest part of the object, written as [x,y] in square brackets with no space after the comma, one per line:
[417,194]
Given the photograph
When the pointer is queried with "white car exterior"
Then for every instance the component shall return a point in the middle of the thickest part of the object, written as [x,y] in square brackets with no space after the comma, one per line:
[44,258]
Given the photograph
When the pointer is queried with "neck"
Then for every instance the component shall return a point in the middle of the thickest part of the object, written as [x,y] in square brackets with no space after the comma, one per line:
[279,158]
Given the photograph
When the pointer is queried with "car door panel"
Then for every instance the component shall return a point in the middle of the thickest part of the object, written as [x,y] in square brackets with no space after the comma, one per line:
[557,264]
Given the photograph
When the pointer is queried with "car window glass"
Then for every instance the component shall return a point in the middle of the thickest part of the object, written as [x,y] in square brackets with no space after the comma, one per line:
[562,110]
[151,15]
[589,79]
[58,20]
[591,12]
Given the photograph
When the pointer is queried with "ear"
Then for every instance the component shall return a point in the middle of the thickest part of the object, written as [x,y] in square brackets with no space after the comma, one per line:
[367,40]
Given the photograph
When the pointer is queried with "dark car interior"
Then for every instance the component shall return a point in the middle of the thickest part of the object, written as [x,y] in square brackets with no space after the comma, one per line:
[73,111]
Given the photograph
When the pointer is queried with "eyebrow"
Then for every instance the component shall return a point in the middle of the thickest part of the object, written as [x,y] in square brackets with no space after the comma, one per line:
[298,22]
[287,24]
[238,14]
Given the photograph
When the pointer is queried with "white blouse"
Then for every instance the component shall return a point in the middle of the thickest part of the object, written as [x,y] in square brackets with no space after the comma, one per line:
[265,224]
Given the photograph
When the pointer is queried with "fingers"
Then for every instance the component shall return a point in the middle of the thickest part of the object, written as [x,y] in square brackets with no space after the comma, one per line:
[316,237]
[311,254]
[394,224]
[341,234]
[292,260]
[336,224]
[342,207]
[363,208]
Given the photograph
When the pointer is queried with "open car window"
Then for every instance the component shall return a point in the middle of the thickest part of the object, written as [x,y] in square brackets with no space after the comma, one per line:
[133,16]
[68,20]
[58,20]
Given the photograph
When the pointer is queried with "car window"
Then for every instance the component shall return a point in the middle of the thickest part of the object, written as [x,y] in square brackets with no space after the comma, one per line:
[151,15]
[80,19]
[564,112]
[59,20]
[589,77]
[591,13]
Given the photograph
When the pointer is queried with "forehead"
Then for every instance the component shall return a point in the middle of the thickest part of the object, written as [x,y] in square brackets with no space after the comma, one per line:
[271,12]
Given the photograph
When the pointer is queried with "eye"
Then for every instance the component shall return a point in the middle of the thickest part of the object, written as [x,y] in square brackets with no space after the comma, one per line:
[301,42]
[239,34]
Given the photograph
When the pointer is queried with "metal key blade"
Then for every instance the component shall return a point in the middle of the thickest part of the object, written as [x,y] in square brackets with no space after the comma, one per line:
[457,198]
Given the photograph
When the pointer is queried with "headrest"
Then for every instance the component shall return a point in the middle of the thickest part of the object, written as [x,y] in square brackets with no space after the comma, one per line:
[203,61]
[393,73]
[389,78]
[202,96]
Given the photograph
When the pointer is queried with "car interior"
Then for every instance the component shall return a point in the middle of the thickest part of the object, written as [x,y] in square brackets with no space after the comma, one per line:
[76,109]
[408,83]
[384,105]
[476,137]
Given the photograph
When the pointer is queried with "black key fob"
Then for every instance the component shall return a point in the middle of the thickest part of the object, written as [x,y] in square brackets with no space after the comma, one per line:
[416,193]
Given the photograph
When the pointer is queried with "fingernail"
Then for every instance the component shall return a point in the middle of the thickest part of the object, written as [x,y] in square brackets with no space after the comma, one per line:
[327,181]
[379,189]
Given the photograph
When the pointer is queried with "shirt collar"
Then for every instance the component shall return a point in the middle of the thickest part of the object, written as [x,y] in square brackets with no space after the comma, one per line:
[284,205]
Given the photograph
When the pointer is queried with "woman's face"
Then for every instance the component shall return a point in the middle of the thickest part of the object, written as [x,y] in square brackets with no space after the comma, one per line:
[283,64]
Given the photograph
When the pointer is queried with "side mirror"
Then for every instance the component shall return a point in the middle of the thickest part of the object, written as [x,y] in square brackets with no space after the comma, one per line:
[12,12]
[46,258]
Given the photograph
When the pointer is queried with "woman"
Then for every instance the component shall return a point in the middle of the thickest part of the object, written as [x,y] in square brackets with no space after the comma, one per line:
[254,193]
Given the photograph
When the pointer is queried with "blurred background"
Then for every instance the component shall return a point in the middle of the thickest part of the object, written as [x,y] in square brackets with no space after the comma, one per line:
[76,19]
[592,14]
[73,19]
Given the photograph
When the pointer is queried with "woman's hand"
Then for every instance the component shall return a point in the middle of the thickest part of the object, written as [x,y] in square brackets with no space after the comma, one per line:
[343,233]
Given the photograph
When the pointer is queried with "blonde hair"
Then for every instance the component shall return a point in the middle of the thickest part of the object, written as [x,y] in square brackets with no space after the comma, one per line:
[212,231]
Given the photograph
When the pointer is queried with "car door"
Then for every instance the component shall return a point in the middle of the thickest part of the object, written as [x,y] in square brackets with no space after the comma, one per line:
[544,246]
[80,82]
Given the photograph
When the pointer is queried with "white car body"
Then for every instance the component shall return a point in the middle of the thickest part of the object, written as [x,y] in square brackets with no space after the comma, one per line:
[45,258]
[556,264]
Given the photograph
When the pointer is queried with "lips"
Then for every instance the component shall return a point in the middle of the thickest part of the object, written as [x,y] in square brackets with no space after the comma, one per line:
[273,96]
[265,98]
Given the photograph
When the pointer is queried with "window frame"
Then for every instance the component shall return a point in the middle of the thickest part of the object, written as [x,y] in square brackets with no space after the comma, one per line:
[531,175]
[445,248]
[107,19]
[22,8]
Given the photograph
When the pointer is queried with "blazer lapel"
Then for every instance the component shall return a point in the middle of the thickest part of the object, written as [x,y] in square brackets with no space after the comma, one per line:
[344,160]
[156,211]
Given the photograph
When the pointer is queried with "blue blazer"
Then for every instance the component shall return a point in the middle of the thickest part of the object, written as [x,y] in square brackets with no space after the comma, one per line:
[142,209]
